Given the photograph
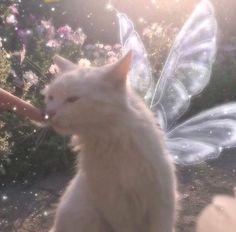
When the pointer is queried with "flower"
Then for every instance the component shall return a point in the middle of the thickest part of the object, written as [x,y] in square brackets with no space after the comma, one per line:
[111,53]
[22,54]
[65,32]
[53,69]
[84,63]
[30,78]
[13,9]
[108,47]
[53,43]
[46,29]
[117,46]
[78,37]
[112,60]
[11,19]
[219,216]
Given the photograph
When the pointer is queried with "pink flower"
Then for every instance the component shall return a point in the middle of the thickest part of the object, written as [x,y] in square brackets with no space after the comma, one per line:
[64,32]
[13,9]
[108,48]
[53,69]
[22,54]
[11,19]
[111,53]
[117,46]
[112,60]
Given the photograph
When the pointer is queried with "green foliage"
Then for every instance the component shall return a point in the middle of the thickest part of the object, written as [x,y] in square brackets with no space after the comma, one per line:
[27,150]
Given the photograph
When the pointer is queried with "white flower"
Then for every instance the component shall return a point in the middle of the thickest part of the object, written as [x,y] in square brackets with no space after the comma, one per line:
[30,78]
[53,43]
[84,63]
[11,19]
[219,216]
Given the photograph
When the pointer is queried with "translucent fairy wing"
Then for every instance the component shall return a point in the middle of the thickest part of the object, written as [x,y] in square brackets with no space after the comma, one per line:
[140,76]
[204,136]
[188,68]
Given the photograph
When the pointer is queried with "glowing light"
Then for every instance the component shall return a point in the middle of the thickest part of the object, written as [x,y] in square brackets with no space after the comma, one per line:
[141,20]
[109,6]
[45,213]
[4,198]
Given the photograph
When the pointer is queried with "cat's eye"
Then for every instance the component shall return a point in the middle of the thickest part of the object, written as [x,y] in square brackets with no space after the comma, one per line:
[72,99]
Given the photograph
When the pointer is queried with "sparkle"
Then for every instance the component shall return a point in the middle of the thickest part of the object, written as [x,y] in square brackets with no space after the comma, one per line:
[109,7]
[4,197]
[45,213]
[141,20]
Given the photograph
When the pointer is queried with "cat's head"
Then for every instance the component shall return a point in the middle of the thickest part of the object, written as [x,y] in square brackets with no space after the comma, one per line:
[79,99]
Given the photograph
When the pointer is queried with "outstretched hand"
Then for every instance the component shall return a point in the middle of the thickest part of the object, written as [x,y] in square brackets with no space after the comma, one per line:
[11,102]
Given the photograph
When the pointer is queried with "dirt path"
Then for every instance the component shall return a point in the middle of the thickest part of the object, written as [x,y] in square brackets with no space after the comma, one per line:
[30,207]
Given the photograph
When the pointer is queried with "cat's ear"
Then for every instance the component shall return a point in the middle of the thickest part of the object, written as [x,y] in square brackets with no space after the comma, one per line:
[63,64]
[118,72]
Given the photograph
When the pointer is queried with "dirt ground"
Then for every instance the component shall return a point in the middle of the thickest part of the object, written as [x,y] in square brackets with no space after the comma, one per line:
[30,207]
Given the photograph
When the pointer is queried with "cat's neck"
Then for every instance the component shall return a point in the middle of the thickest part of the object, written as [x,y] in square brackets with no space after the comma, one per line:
[132,135]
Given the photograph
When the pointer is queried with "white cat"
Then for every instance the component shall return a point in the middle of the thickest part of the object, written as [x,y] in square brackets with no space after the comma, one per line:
[125,180]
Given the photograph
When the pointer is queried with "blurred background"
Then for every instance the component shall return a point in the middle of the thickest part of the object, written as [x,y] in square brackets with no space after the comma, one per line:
[100,24]
[31,32]
[35,163]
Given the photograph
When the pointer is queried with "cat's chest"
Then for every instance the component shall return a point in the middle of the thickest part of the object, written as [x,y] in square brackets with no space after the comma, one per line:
[126,180]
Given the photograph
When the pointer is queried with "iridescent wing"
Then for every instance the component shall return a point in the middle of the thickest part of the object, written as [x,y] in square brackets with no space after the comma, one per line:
[186,73]
[204,136]
[188,67]
[140,76]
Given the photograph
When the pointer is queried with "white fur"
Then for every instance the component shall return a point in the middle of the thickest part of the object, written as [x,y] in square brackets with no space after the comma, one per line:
[126,180]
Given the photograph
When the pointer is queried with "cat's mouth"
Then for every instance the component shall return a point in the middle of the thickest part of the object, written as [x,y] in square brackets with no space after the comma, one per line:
[57,126]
